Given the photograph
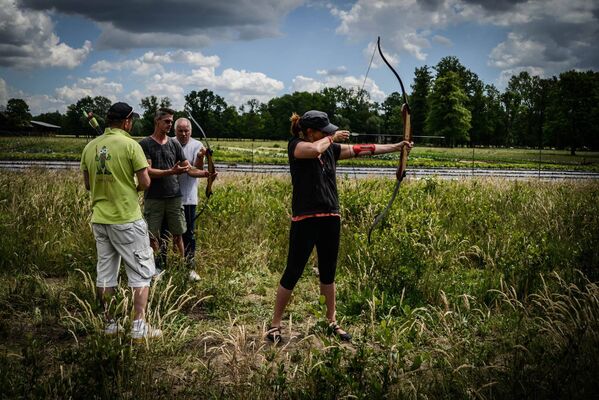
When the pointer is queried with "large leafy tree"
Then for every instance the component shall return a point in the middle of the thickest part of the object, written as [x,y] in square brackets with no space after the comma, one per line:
[448,115]
[231,122]
[251,119]
[419,99]
[375,125]
[511,103]
[101,105]
[573,113]
[207,108]
[479,122]
[493,129]
[329,103]
[355,105]
[391,109]
[150,105]
[280,109]
[472,87]
[267,123]
[527,108]
[467,80]
[76,121]
[17,111]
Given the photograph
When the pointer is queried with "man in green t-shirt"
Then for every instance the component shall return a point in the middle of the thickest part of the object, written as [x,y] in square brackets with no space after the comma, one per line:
[110,164]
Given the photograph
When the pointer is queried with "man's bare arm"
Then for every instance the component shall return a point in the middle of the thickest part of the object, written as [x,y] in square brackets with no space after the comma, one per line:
[143,179]
[86,179]
[197,171]
[177,169]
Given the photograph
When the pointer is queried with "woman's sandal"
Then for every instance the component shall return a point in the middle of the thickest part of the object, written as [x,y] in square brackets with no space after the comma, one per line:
[274,334]
[336,329]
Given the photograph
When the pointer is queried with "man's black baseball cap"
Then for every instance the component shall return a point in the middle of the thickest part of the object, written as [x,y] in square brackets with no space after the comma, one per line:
[318,120]
[120,111]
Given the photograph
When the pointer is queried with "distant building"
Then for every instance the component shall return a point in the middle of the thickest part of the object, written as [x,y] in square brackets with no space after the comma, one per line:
[33,128]
[44,128]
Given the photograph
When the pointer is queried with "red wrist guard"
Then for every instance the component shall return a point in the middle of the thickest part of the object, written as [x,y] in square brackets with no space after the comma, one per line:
[363,148]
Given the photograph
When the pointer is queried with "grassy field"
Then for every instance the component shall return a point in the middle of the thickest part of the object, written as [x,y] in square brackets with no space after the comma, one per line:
[274,152]
[480,289]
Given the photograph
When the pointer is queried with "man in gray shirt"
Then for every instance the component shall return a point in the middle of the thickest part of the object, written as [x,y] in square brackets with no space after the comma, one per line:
[163,200]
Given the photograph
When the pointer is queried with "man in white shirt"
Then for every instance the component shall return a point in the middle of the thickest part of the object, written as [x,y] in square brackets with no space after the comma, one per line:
[194,151]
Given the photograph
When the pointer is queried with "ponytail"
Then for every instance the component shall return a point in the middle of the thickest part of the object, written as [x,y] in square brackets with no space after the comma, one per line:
[296,129]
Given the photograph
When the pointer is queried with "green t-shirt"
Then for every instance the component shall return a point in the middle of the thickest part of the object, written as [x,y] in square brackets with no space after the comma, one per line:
[111,161]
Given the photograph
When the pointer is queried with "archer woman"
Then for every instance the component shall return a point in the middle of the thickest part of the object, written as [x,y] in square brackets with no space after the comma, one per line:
[313,153]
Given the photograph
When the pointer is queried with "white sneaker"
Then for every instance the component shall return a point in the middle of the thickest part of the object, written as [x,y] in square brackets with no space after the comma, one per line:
[112,328]
[193,276]
[140,331]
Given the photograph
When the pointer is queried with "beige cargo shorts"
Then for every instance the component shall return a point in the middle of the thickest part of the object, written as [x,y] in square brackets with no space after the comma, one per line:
[127,242]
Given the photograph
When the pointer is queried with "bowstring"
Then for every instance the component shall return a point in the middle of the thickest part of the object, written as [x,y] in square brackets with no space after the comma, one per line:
[360,96]
[368,70]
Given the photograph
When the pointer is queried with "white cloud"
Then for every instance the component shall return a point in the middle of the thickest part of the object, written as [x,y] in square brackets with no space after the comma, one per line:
[341,70]
[28,40]
[236,86]
[403,26]
[137,67]
[516,51]
[507,74]
[194,58]
[306,84]
[248,82]
[41,103]
[442,40]
[549,36]
[89,87]
[37,103]
[69,94]
[542,35]
[152,63]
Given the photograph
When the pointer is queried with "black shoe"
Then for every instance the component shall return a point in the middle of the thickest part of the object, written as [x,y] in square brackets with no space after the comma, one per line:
[274,334]
[336,329]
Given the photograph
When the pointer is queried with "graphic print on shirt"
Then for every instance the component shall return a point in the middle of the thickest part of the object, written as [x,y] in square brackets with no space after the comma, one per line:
[101,159]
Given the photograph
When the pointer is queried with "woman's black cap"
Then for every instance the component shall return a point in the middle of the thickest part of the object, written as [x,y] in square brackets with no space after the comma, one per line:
[318,120]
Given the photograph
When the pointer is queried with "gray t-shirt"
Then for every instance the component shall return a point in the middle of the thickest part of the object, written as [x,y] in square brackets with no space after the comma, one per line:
[163,156]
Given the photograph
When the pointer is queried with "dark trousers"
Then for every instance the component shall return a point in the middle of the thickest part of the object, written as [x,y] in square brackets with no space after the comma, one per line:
[189,237]
[322,233]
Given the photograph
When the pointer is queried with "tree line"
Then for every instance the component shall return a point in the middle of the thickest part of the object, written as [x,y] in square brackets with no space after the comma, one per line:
[446,100]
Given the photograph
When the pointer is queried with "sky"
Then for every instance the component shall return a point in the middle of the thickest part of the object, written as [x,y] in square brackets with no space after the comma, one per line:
[53,53]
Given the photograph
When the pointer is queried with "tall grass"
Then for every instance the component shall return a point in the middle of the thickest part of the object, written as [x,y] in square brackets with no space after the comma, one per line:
[474,289]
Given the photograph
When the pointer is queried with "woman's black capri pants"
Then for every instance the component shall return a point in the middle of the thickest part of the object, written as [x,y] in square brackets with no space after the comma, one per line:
[322,232]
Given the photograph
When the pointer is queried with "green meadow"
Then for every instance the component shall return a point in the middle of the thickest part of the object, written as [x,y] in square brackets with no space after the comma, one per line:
[275,152]
[481,289]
